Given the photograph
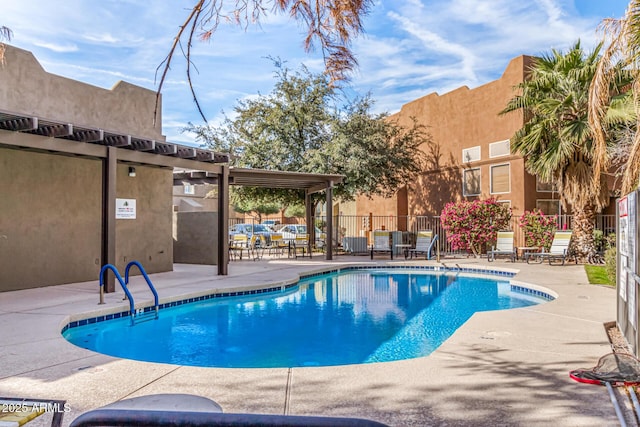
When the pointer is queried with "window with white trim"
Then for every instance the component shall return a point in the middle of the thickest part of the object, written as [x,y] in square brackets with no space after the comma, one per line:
[500,176]
[548,206]
[545,187]
[189,189]
[506,202]
[471,154]
[471,182]
[499,149]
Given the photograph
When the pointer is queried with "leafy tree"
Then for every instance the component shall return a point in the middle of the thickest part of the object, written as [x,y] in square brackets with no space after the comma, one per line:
[260,208]
[295,211]
[470,225]
[331,23]
[556,140]
[300,127]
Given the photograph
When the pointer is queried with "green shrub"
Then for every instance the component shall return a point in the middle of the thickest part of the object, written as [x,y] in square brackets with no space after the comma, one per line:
[610,263]
[598,239]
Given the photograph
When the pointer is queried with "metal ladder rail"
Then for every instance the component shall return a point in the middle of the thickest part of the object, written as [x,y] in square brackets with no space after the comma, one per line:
[146,278]
[111,267]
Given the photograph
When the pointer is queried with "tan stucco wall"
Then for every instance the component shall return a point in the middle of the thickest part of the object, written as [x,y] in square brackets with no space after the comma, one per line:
[51,205]
[463,118]
[146,239]
[50,219]
[51,216]
[26,88]
[194,237]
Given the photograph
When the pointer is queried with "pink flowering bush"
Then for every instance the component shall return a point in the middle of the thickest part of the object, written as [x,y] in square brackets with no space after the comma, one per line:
[471,225]
[538,228]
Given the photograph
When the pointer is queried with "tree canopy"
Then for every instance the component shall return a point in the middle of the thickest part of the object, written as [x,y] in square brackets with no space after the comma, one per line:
[330,23]
[300,126]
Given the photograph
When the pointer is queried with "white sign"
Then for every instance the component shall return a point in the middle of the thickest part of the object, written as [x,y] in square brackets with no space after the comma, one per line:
[631,281]
[623,227]
[631,231]
[125,208]
[623,277]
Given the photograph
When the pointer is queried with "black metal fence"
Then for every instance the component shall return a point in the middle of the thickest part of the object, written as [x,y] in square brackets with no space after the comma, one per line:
[346,226]
[350,228]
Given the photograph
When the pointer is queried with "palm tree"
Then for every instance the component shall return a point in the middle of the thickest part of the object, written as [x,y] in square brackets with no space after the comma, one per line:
[622,50]
[556,140]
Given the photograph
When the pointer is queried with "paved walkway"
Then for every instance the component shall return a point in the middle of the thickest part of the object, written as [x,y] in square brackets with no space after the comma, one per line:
[500,368]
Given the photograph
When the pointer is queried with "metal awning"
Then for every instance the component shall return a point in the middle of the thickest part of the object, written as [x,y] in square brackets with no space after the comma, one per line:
[69,131]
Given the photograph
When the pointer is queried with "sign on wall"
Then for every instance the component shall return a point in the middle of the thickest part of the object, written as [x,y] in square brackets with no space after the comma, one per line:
[125,208]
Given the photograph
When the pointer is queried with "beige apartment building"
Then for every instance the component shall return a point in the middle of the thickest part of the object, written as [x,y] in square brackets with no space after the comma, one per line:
[469,156]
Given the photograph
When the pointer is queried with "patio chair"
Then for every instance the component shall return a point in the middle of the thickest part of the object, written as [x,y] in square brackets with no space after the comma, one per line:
[425,241]
[381,242]
[504,246]
[239,243]
[257,244]
[301,244]
[277,245]
[559,249]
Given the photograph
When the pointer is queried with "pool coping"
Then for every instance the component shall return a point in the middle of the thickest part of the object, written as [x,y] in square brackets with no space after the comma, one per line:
[142,307]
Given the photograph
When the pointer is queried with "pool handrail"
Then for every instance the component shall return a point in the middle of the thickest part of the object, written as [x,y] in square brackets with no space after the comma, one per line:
[146,278]
[115,271]
[124,282]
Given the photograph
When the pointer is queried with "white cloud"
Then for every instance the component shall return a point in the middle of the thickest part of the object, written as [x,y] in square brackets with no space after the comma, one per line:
[411,48]
[57,47]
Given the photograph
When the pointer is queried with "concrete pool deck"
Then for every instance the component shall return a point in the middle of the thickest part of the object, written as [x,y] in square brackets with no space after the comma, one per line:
[503,368]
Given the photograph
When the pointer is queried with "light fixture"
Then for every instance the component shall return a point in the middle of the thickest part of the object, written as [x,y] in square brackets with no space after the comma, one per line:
[132,171]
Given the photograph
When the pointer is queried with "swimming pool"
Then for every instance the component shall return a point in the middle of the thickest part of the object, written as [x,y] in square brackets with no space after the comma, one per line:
[347,317]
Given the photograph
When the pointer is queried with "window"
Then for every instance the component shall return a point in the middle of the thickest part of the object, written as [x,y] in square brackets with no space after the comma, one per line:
[501,148]
[189,189]
[545,187]
[500,179]
[548,207]
[471,182]
[506,202]
[471,154]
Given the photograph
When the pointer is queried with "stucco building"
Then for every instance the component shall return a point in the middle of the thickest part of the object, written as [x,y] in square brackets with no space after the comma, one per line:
[469,155]
[86,177]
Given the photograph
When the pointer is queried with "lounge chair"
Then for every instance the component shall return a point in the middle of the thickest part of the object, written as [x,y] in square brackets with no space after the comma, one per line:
[559,249]
[425,242]
[504,246]
[381,242]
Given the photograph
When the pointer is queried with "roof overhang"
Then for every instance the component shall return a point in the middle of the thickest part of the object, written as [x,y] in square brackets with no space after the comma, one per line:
[311,182]
[59,130]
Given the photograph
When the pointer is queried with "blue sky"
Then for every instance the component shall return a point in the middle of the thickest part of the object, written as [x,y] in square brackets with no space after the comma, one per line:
[411,48]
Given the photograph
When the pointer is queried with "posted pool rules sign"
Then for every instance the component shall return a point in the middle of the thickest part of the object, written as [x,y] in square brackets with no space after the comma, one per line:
[125,208]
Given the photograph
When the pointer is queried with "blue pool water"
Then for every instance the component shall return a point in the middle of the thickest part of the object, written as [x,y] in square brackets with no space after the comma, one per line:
[349,317]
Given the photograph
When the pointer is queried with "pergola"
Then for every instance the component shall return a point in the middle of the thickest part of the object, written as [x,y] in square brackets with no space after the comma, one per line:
[309,182]
[24,132]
